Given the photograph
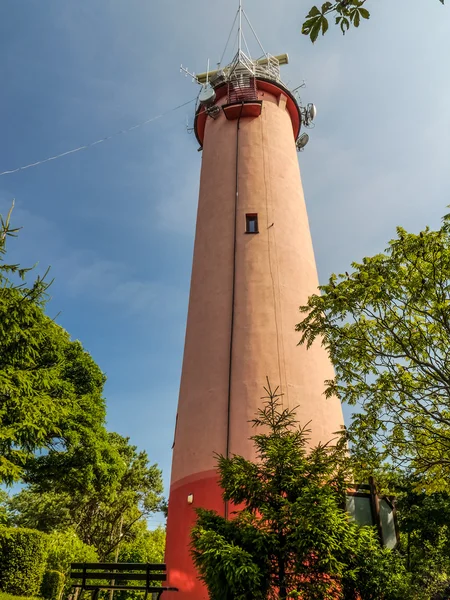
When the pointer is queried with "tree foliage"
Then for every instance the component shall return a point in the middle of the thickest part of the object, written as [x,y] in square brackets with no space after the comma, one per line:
[52,427]
[101,486]
[291,536]
[146,547]
[23,554]
[387,329]
[52,585]
[346,14]
[4,508]
[424,527]
[65,547]
[49,386]
[424,523]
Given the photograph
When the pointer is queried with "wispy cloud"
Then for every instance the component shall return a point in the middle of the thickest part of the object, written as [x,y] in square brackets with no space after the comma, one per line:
[84,273]
[111,283]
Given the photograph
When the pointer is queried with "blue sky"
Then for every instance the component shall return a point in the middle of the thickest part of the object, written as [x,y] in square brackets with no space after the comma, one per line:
[116,222]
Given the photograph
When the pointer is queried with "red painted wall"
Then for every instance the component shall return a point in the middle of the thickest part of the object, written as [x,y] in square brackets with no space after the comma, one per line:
[181,518]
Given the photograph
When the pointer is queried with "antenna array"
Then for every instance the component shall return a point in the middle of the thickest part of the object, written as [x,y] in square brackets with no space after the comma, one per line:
[245,69]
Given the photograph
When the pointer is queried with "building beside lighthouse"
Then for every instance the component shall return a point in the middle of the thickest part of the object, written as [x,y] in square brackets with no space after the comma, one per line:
[253,266]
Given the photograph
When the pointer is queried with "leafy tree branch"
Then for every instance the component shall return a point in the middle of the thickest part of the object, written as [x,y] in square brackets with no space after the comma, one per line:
[346,14]
[386,328]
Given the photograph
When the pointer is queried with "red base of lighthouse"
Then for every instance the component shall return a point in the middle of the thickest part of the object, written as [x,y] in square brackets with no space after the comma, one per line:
[206,493]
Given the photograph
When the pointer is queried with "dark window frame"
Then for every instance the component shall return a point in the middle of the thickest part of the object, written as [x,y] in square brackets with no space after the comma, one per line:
[250,219]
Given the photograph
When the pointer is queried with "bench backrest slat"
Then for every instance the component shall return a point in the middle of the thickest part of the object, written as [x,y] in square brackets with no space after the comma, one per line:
[119,576]
[121,566]
[137,588]
[124,576]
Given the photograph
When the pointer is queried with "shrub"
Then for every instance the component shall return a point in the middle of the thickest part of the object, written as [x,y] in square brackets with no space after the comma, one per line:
[65,547]
[23,556]
[52,585]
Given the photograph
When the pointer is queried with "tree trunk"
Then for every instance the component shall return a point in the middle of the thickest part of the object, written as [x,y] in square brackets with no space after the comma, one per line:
[282,578]
[116,558]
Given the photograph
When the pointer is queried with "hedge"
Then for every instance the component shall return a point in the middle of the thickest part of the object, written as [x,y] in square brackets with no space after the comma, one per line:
[52,585]
[23,556]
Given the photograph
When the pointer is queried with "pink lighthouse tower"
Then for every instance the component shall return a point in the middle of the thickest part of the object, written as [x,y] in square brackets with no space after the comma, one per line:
[253,267]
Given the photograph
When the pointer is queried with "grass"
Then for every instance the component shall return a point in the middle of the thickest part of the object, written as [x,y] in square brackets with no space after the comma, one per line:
[5,596]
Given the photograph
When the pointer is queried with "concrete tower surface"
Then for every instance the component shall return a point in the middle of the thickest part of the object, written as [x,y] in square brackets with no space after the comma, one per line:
[253,267]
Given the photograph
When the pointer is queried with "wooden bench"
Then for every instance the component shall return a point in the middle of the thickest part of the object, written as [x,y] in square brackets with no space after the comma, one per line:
[118,576]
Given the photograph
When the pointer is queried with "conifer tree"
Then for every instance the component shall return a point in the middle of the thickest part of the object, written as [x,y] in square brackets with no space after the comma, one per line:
[49,385]
[291,537]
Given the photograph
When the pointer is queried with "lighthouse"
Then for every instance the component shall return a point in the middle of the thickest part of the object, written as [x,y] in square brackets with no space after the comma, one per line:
[253,266]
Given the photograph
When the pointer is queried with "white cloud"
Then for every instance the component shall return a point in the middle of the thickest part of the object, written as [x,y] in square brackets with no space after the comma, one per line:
[84,273]
[111,283]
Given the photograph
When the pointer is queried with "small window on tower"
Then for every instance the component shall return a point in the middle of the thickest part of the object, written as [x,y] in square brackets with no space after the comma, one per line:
[251,223]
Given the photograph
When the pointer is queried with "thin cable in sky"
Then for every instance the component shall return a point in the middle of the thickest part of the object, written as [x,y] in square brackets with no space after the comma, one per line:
[100,141]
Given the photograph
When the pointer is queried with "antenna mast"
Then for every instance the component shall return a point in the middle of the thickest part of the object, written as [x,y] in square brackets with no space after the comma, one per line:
[240,28]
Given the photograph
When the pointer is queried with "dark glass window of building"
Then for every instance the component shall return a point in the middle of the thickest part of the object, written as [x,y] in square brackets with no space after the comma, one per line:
[251,223]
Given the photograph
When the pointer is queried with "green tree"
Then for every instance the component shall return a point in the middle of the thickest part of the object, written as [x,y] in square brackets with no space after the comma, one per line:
[386,327]
[4,508]
[45,511]
[424,522]
[147,547]
[66,547]
[346,13]
[100,485]
[291,537]
[49,385]
[424,526]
